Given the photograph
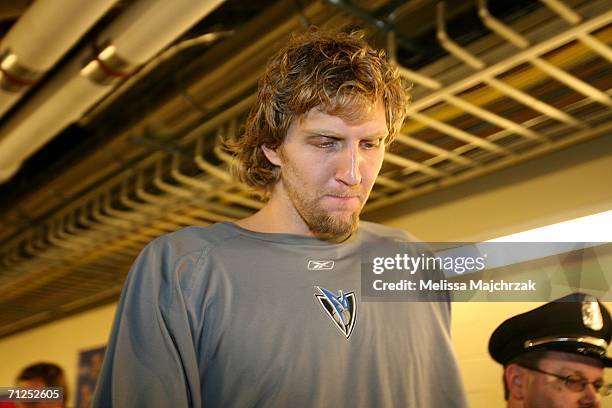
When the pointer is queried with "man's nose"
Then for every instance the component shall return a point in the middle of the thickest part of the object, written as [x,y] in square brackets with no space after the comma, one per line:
[348,168]
[590,395]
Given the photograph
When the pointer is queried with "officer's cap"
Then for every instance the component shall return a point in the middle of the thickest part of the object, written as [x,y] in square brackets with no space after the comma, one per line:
[577,323]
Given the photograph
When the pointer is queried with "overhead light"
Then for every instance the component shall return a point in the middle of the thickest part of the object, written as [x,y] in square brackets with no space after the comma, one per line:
[591,228]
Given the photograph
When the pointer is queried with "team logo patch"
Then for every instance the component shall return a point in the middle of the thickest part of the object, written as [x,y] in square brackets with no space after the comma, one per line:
[320,265]
[341,308]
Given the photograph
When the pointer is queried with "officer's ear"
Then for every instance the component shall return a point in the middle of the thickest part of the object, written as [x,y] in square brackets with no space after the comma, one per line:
[273,155]
[515,378]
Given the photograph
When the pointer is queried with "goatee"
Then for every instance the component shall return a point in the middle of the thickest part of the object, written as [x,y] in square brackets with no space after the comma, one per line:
[320,222]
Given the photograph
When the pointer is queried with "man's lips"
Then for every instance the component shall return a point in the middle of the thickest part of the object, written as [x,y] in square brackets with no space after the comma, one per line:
[344,195]
[344,198]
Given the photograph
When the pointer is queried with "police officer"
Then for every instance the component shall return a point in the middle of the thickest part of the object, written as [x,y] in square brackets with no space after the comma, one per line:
[554,355]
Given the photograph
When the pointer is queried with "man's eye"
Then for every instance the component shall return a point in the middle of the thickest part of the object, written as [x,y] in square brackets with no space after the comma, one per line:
[576,382]
[371,145]
[324,142]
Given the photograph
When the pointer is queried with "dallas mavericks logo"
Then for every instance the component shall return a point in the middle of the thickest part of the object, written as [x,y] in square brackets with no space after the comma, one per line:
[341,308]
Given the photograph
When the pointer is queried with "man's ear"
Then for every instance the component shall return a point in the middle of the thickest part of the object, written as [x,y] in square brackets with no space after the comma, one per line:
[515,377]
[272,155]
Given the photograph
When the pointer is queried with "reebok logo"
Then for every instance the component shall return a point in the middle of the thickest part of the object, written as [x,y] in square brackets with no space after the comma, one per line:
[320,265]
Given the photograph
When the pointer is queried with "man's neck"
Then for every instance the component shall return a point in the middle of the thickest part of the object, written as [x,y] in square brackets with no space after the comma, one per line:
[280,216]
[273,218]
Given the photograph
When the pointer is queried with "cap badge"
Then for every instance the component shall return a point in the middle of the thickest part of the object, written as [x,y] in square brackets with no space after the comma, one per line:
[591,315]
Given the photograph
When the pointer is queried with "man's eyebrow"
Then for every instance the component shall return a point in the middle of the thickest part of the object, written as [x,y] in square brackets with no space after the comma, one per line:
[332,134]
[321,133]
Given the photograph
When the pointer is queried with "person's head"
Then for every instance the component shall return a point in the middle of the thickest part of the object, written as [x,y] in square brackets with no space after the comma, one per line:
[553,379]
[554,355]
[41,375]
[326,107]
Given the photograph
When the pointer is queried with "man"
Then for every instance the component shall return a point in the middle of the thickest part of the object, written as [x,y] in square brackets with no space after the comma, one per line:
[41,375]
[554,356]
[267,311]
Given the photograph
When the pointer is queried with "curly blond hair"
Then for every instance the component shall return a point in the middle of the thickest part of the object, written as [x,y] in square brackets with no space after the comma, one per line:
[338,73]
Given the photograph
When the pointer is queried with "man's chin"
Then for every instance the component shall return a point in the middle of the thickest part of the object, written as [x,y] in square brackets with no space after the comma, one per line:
[331,227]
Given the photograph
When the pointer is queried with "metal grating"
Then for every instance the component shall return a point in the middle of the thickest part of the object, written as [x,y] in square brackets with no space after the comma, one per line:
[541,97]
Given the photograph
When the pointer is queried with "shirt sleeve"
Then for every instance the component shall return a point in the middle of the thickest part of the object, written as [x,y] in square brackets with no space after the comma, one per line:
[150,359]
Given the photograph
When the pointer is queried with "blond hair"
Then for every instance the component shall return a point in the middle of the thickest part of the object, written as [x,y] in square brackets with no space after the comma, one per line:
[338,73]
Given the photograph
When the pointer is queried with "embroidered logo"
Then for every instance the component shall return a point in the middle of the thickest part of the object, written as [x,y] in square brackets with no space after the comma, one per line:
[320,265]
[341,308]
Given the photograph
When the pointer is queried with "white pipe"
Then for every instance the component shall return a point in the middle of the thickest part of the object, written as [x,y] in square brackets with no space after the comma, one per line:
[47,113]
[148,27]
[137,35]
[48,29]
[41,36]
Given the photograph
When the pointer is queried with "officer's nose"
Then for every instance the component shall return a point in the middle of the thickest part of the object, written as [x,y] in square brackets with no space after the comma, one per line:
[348,168]
[590,396]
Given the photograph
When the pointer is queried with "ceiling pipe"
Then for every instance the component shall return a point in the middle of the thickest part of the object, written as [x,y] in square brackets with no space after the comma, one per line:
[543,64]
[574,18]
[378,23]
[256,40]
[142,31]
[169,53]
[477,64]
[39,38]
[96,229]
[211,190]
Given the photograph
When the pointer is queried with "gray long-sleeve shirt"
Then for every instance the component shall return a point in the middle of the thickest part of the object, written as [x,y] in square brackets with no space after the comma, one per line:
[226,317]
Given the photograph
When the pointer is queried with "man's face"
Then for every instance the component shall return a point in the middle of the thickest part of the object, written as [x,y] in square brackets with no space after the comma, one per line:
[328,167]
[546,391]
